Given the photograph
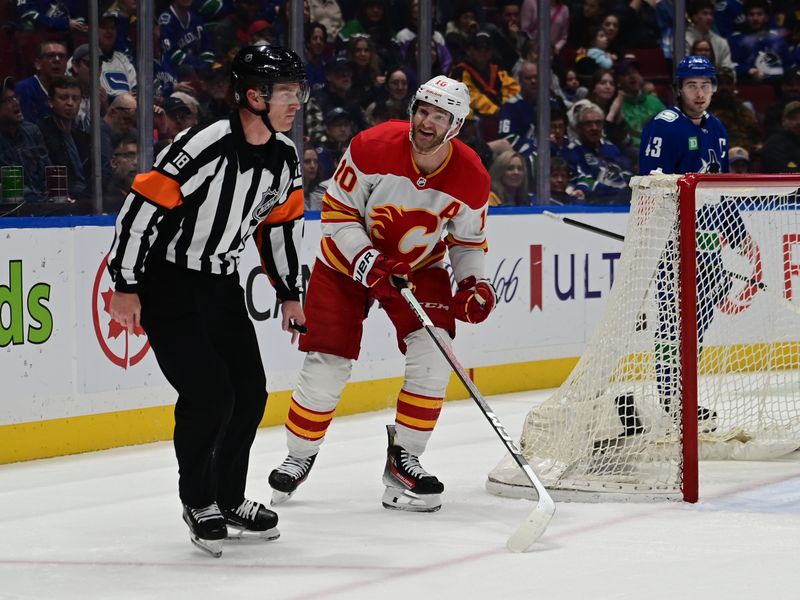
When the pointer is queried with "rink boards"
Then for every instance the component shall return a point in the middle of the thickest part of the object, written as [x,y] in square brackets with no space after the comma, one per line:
[73,381]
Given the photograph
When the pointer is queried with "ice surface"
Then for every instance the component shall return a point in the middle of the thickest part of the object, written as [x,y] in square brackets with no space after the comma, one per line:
[107,525]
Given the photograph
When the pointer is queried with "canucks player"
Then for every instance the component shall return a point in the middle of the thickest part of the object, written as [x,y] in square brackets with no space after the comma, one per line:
[687,139]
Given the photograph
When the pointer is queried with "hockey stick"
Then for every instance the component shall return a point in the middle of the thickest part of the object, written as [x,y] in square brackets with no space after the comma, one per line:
[533,528]
[786,303]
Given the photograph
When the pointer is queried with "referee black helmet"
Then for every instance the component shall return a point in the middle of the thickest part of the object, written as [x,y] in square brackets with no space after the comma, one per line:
[261,67]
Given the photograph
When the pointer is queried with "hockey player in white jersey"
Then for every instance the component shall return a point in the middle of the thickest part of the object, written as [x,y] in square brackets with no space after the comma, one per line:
[400,200]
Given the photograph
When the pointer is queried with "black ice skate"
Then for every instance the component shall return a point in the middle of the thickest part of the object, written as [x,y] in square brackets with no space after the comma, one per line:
[251,520]
[207,528]
[408,485]
[706,420]
[289,474]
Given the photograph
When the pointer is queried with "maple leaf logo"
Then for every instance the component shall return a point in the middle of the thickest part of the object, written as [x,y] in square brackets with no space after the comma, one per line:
[136,345]
[115,328]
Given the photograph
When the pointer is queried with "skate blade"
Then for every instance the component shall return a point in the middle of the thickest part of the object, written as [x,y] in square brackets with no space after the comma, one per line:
[280,497]
[213,547]
[240,533]
[400,499]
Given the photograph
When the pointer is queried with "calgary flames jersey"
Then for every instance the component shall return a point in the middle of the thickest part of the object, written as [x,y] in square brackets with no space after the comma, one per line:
[379,198]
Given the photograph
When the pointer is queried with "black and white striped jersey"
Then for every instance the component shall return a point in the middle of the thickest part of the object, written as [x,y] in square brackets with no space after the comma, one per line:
[208,192]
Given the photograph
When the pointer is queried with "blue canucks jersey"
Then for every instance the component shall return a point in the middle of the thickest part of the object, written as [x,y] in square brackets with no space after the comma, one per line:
[672,143]
[187,43]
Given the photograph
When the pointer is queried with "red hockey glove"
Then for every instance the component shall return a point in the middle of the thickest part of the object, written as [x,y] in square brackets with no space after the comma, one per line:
[375,270]
[474,300]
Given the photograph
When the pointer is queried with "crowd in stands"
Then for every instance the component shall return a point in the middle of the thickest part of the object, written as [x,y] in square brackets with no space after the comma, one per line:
[611,73]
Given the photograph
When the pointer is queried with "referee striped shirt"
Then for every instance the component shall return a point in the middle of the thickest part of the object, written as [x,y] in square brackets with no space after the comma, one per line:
[208,192]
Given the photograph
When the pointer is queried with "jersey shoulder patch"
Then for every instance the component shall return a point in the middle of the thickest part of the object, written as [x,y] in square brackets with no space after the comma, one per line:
[667,115]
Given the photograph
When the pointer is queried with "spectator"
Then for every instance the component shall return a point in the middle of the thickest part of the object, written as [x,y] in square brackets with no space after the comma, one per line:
[120,119]
[124,12]
[604,93]
[184,39]
[558,132]
[408,44]
[739,160]
[231,32]
[117,73]
[789,92]
[470,134]
[516,120]
[591,15]
[215,103]
[260,32]
[339,91]
[571,88]
[489,86]
[740,121]
[377,113]
[367,67]
[729,17]
[182,112]
[46,15]
[314,59]
[372,18]
[66,144]
[610,26]
[781,153]
[21,144]
[529,21]
[638,24]
[331,146]
[213,11]
[637,107]
[759,52]
[438,66]
[509,39]
[32,92]
[703,47]
[559,183]
[509,177]
[80,68]
[601,171]
[463,26]
[665,17]
[598,50]
[123,170]
[313,188]
[701,15]
[395,94]
[329,15]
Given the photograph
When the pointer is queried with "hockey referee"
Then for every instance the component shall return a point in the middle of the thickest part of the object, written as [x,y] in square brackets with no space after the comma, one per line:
[174,264]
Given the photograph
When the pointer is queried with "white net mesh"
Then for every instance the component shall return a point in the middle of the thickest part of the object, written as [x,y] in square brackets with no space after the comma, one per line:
[612,430]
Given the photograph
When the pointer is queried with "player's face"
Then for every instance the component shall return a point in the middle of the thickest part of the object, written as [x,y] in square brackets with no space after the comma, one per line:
[696,94]
[429,126]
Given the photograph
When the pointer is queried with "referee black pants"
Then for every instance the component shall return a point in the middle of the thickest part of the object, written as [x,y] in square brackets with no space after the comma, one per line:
[206,347]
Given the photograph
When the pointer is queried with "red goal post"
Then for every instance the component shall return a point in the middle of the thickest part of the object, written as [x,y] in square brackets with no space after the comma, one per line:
[697,354]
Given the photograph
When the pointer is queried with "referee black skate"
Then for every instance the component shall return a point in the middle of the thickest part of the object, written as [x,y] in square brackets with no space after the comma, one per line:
[174,263]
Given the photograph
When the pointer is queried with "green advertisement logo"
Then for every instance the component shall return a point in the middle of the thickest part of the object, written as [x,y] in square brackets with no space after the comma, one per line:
[18,310]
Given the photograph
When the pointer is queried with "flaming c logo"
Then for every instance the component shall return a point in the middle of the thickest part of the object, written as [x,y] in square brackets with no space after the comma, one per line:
[109,337]
[410,233]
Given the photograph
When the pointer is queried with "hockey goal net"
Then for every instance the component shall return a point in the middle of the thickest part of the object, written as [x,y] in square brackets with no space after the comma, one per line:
[697,354]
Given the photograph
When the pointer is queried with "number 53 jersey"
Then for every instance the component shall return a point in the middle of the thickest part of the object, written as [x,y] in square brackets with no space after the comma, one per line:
[379,198]
[672,143]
